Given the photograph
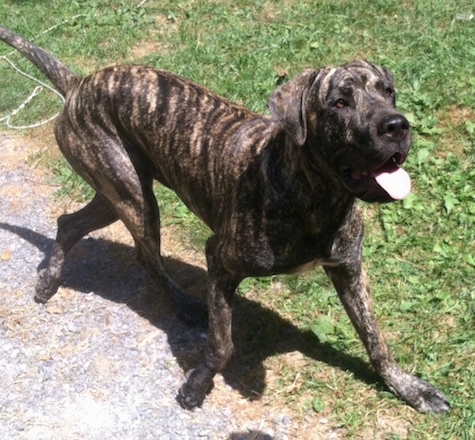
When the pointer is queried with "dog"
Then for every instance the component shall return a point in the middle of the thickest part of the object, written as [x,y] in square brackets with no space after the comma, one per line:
[280,192]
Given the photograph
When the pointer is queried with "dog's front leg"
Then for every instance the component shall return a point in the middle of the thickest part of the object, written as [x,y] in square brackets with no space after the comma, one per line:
[219,348]
[351,283]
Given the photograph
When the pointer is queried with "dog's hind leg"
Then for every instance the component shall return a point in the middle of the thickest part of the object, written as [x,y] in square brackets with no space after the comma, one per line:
[140,213]
[71,228]
[108,166]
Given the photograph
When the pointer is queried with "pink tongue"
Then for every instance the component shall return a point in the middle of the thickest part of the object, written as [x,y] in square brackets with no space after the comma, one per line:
[396,183]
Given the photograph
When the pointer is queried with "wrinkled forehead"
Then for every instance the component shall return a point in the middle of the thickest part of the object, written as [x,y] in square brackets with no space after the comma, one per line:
[358,75]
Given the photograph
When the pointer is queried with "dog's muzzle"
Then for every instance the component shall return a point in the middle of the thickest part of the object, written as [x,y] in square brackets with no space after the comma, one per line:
[384,181]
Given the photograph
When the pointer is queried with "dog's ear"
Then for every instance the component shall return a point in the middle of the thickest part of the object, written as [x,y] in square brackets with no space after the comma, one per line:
[288,104]
[388,75]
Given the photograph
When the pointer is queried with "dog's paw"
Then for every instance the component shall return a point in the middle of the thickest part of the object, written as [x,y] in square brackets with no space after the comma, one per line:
[190,397]
[429,399]
[187,400]
[421,395]
[46,287]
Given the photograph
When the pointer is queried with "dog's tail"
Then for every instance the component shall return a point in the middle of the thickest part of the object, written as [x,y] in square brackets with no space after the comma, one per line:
[61,77]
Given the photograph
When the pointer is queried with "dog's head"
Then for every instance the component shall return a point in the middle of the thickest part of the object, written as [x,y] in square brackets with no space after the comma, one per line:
[346,116]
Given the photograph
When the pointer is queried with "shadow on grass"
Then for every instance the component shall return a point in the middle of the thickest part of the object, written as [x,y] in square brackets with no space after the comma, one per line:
[110,270]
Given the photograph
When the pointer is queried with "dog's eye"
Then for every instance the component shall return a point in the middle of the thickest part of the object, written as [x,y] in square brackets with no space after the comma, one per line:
[389,92]
[341,103]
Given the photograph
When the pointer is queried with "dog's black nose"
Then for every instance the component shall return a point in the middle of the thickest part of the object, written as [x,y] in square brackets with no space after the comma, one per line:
[395,127]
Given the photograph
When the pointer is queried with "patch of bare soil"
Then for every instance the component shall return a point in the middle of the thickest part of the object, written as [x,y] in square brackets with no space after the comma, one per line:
[453,121]
[155,45]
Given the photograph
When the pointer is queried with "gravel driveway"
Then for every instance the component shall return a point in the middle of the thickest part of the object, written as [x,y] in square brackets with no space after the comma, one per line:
[105,357]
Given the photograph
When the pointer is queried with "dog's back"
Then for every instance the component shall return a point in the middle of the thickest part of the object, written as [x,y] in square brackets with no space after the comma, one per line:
[178,131]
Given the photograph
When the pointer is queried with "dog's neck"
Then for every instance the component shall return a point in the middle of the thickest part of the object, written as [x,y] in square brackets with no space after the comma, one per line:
[300,170]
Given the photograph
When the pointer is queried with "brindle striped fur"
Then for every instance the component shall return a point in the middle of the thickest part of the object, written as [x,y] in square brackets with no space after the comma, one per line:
[278,192]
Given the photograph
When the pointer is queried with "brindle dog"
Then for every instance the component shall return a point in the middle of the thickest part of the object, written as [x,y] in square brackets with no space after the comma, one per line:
[279,193]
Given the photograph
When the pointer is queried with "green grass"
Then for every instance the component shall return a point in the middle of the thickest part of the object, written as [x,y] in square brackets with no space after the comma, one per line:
[420,253]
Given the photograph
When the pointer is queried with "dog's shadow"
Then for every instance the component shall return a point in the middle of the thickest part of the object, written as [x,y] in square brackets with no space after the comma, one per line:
[110,270]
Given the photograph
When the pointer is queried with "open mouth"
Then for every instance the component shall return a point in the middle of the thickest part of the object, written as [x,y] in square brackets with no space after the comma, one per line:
[385,183]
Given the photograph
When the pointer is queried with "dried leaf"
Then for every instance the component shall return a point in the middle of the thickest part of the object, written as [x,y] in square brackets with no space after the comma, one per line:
[6,255]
